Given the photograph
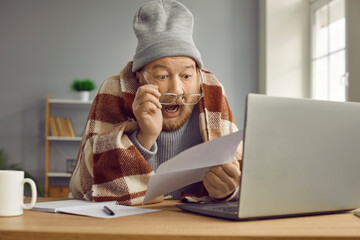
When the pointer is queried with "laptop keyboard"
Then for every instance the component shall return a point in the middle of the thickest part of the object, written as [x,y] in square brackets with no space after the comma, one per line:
[227,207]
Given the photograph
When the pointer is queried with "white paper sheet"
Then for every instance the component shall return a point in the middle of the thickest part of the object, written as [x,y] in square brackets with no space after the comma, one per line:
[97,211]
[55,206]
[191,165]
[91,209]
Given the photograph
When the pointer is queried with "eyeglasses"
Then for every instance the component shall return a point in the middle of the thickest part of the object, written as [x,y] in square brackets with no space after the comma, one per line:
[187,99]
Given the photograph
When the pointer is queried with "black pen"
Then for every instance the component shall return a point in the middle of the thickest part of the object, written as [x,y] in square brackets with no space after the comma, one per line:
[108,211]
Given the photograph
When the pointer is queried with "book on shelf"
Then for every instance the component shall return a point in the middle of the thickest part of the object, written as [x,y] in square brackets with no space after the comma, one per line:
[53,128]
[70,126]
[61,127]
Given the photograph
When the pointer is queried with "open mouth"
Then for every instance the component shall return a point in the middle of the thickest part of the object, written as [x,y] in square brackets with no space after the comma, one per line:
[171,108]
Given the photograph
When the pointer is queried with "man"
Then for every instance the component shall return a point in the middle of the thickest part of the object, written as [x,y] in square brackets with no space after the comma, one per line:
[161,104]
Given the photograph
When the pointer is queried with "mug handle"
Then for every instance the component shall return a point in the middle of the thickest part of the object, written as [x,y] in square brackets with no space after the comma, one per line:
[33,193]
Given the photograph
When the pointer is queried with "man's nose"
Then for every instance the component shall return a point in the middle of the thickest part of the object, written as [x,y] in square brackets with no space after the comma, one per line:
[175,85]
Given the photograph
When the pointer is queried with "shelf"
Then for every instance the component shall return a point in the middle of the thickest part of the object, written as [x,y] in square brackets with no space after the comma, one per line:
[69,101]
[53,138]
[67,140]
[58,174]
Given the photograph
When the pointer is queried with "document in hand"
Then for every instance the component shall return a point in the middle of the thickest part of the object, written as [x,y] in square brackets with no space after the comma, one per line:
[191,165]
[91,209]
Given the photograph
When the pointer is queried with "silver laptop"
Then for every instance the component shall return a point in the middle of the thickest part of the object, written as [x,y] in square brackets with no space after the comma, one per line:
[300,157]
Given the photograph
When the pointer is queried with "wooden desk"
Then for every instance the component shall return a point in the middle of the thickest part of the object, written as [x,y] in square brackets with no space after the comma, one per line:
[173,223]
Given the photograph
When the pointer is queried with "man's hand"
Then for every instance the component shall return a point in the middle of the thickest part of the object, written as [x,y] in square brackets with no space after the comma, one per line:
[147,110]
[221,181]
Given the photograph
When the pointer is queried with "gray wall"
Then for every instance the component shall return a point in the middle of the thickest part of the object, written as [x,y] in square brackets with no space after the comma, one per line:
[45,44]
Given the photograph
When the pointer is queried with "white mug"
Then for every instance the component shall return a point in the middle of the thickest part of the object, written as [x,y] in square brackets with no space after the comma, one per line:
[12,193]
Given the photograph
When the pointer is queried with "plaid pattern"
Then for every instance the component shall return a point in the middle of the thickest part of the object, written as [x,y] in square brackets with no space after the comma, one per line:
[109,166]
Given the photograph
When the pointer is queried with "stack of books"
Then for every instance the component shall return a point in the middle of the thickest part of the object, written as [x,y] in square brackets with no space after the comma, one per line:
[61,127]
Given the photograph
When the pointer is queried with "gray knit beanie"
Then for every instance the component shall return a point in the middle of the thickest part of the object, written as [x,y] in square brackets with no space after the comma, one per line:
[163,28]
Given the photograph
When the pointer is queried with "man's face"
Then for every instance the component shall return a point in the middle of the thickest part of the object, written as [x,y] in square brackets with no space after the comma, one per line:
[176,75]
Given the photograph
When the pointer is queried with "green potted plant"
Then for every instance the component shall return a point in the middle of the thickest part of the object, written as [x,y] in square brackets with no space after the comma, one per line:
[83,86]
[5,166]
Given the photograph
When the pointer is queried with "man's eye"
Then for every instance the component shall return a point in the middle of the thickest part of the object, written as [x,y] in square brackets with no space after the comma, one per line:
[187,76]
[161,77]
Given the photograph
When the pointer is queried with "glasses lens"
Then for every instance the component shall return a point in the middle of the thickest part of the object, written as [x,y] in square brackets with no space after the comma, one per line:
[191,98]
[167,98]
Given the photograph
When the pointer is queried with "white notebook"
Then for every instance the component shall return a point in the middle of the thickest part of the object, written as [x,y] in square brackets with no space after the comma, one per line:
[91,209]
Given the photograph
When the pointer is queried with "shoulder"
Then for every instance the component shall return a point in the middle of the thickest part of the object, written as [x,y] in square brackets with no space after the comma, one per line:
[111,86]
[113,80]
[211,81]
[124,83]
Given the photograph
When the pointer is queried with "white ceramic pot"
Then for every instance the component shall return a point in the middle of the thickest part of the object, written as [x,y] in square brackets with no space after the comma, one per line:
[84,96]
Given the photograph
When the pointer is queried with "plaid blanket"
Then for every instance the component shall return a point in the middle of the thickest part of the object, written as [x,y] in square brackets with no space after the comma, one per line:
[109,166]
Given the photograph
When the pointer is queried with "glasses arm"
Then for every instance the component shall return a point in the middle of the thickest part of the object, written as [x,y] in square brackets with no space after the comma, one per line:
[202,83]
[147,81]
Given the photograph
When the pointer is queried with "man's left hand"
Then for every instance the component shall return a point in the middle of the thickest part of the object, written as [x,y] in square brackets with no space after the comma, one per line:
[221,181]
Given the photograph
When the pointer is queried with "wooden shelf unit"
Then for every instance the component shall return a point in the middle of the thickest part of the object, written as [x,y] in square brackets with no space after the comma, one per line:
[49,139]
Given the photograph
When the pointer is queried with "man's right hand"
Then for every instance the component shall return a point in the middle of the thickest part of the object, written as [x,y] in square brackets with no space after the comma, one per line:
[147,110]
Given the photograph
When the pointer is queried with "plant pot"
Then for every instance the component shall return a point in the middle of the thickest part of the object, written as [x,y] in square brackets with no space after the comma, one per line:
[84,95]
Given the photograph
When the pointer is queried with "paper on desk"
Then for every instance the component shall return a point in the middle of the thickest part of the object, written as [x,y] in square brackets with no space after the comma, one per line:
[91,209]
[56,206]
[97,211]
[191,165]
